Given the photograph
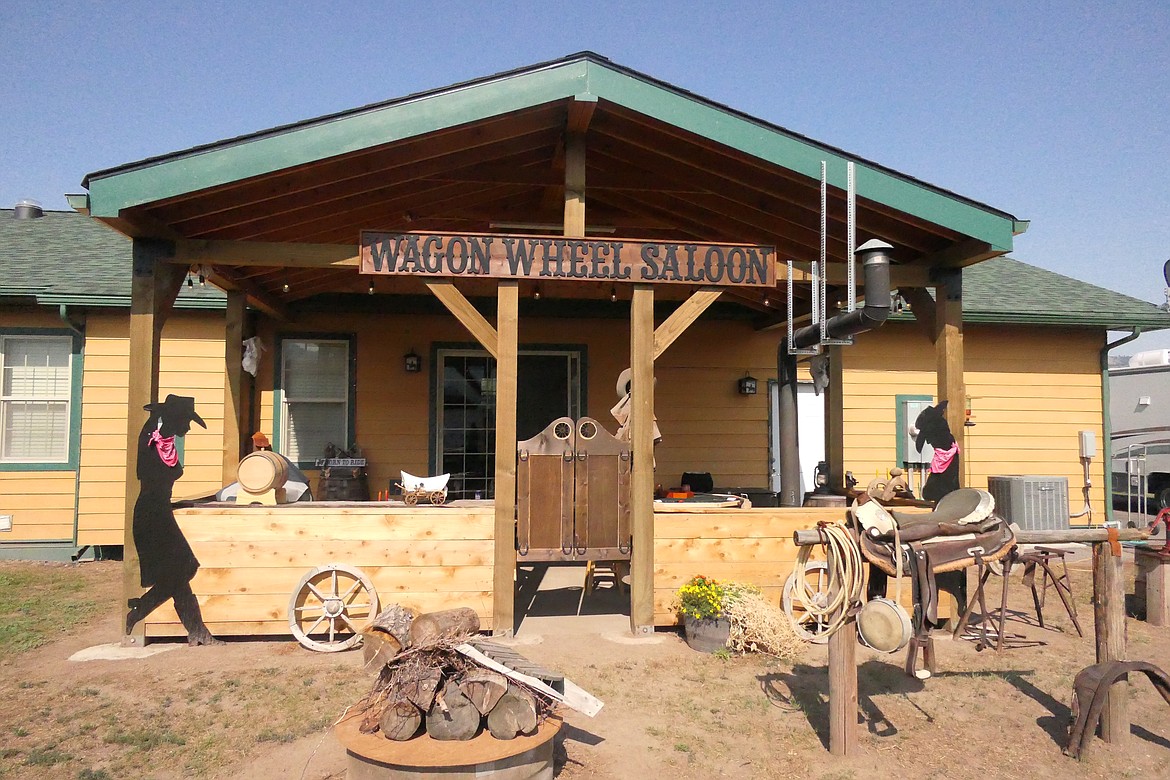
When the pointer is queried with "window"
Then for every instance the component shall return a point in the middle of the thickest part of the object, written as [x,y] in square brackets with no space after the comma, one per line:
[315,397]
[36,398]
[549,386]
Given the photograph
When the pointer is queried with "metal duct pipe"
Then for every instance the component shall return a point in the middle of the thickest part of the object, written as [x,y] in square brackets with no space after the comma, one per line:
[875,261]
[875,265]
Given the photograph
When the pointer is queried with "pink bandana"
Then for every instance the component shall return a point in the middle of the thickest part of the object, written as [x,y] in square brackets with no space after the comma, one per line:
[942,459]
[166,448]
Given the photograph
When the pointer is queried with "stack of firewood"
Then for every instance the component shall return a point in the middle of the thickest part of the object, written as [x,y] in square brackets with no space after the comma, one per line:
[425,685]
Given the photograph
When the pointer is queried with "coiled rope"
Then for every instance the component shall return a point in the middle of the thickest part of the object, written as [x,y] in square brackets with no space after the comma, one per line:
[830,603]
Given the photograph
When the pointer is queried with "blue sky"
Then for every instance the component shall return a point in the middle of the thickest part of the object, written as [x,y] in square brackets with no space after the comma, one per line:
[1056,112]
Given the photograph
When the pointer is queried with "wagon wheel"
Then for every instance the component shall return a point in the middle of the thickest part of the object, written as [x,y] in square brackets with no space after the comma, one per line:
[328,606]
[410,498]
[438,497]
[808,626]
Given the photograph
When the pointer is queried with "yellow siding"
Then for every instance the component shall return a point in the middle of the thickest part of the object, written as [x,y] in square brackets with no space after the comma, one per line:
[191,363]
[695,393]
[40,503]
[1032,391]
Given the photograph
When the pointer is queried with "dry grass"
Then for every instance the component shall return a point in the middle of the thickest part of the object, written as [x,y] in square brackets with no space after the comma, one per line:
[759,626]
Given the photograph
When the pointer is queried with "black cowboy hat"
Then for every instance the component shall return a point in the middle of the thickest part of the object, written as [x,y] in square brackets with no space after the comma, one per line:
[177,407]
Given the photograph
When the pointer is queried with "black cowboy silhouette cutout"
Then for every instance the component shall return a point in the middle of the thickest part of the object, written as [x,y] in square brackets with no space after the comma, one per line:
[166,562]
[944,467]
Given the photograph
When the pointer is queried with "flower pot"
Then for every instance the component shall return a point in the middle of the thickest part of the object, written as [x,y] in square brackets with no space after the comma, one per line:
[706,636]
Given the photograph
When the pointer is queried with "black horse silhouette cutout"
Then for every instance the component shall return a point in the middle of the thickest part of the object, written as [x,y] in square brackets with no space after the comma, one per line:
[165,559]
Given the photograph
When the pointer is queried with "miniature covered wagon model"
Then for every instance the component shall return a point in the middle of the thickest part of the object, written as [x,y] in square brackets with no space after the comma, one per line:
[414,489]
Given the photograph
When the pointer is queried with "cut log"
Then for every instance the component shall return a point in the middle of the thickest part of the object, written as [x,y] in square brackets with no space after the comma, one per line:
[453,716]
[386,636]
[484,687]
[431,627]
[514,714]
[421,692]
[378,649]
[400,721]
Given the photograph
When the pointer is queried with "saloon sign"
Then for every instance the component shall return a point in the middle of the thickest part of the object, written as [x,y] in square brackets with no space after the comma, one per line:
[544,257]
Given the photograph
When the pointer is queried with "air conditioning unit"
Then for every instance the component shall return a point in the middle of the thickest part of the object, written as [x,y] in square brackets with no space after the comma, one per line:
[1033,503]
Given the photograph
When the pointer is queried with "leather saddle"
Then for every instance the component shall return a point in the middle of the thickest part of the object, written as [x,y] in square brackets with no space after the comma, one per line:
[962,531]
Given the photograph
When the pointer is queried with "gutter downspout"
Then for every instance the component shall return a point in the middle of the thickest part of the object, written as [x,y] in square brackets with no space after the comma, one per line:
[875,261]
[1106,423]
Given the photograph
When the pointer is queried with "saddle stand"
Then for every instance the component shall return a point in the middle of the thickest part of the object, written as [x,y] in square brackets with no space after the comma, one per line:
[960,532]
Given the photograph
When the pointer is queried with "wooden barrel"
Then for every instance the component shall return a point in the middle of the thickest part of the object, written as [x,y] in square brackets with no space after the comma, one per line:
[262,471]
[343,484]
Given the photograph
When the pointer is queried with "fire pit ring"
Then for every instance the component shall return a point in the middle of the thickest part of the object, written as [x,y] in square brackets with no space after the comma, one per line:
[373,757]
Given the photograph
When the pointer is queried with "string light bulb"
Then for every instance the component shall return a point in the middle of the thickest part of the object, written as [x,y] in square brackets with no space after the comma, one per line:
[190,283]
[536,293]
[371,290]
[202,280]
[285,287]
[613,294]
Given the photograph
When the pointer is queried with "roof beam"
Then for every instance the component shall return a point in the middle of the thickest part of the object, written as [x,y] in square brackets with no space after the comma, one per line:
[682,318]
[257,296]
[962,254]
[263,253]
[467,314]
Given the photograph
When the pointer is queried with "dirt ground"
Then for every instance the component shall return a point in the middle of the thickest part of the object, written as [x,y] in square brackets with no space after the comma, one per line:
[261,709]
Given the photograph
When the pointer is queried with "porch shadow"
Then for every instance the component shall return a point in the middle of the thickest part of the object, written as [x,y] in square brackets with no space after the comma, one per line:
[553,595]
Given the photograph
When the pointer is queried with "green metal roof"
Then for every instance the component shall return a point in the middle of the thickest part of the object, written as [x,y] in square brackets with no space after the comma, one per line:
[1003,291]
[584,76]
[67,258]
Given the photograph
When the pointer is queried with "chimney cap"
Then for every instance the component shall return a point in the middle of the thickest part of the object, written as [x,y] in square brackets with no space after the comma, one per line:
[28,208]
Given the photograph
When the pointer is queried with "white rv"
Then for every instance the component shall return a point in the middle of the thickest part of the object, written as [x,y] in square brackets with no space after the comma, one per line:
[1139,415]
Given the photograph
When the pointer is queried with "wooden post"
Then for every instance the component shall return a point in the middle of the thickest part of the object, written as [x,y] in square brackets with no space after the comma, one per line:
[574,184]
[504,583]
[948,345]
[233,386]
[154,286]
[835,421]
[1109,620]
[843,690]
[642,444]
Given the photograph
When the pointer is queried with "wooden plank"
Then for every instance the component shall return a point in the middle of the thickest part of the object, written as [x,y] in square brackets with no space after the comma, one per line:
[507,318]
[682,317]
[642,444]
[307,553]
[459,306]
[388,580]
[334,523]
[700,550]
[242,614]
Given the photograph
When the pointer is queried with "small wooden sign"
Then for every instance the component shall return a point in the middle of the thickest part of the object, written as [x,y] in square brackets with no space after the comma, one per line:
[548,257]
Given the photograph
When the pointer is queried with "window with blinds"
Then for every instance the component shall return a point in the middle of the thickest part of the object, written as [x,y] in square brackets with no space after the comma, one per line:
[315,381]
[36,384]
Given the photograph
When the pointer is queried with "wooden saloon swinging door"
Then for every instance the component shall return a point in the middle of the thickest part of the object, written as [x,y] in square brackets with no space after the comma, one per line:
[573,494]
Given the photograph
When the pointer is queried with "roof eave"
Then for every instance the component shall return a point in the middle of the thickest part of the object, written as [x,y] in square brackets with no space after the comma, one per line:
[584,76]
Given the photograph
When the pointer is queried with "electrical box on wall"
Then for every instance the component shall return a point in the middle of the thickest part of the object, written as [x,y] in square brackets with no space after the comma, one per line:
[908,409]
[5,522]
[1088,444]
